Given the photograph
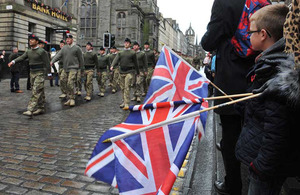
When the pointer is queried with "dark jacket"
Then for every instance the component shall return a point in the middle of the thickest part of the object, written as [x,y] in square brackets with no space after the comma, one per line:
[231,69]
[15,67]
[268,143]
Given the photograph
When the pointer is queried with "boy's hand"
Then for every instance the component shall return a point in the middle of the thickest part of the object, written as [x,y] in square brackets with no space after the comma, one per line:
[9,64]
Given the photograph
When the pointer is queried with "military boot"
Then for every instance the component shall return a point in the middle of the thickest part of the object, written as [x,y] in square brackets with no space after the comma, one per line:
[27,113]
[72,102]
[122,105]
[63,95]
[126,107]
[138,99]
[67,103]
[133,99]
[113,91]
[38,111]
[79,93]
[88,98]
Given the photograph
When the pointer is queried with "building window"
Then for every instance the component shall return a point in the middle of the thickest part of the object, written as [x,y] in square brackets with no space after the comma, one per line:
[121,25]
[88,19]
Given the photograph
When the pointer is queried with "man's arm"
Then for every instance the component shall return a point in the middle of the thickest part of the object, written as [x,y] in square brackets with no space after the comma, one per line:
[19,59]
[80,58]
[115,62]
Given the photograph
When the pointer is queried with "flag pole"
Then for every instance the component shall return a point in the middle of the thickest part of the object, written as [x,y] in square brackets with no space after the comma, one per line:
[177,119]
[228,96]
[215,86]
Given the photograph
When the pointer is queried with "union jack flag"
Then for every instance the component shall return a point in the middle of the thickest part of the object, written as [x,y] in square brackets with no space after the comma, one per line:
[148,162]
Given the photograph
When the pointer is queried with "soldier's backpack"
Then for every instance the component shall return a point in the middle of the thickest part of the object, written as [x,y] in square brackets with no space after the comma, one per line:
[241,39]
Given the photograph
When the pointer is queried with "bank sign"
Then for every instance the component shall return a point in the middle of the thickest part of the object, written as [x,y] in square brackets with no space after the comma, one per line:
[49,11]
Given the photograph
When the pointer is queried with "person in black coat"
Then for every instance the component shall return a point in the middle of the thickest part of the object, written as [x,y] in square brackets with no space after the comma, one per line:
[231,70]
[267,143]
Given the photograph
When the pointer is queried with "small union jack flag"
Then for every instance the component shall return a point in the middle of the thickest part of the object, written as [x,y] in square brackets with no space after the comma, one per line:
[148,162]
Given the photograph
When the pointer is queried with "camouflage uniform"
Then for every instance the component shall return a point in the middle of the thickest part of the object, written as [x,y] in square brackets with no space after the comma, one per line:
[150,69]
[115,73]
[90,62]
[38,63]
[142,61]
[127,61]
[102,69]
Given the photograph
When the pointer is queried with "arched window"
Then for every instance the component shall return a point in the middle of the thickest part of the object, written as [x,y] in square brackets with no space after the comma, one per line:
[121,25]
[88,18]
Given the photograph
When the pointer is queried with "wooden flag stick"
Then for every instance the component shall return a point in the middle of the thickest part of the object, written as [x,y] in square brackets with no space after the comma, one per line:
[215,86]
[177,119]
[228,96]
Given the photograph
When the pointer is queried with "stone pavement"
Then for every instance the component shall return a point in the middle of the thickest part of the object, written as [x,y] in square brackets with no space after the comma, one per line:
[48,153]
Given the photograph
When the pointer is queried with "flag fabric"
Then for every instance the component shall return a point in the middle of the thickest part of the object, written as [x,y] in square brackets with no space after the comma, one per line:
[148,162]
[163,104]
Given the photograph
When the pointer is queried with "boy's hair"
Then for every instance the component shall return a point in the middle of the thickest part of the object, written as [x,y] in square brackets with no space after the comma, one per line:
[271,18]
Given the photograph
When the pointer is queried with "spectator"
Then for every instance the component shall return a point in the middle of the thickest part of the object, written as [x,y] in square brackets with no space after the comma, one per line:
[2,61]
[15,72]
[268,143]
[231,70]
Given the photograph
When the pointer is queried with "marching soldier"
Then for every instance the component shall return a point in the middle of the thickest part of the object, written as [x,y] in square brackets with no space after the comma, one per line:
[38,62]
[90,62]
[78,80]
[63,80]
[72,58]
[115,72]
[102,70]
[142,62]
[151,64]
[127,60]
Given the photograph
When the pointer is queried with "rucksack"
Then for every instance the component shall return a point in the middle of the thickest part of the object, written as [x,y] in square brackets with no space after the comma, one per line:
[241,39]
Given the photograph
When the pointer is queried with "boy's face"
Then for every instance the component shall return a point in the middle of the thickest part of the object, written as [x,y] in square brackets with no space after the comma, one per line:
[255,37]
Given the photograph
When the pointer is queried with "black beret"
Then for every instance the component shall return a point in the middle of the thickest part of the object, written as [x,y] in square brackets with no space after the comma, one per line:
[136,43]
[32,36]
[62,41]
[69,36]
[127,40]
[102,48]
[89,43]
[146,43]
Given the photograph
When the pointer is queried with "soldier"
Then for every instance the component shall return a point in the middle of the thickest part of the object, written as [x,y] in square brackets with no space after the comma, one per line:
[72,58]
[63,80]
[38,62]
[142,62]
[79,77]
[128,66]
[151,64]
[90,62]
[15,72]
[115,72]
[102,70]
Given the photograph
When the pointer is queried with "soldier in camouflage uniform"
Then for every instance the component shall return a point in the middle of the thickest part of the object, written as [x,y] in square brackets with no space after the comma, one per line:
[102,71]
[63,80]
[115,72]
[39,62]
[143,63]
[79,78]
[90,62]
[127,61]
[151,65]
[72,58]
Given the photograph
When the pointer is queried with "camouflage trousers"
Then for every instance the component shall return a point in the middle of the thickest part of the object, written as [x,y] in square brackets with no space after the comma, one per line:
[70,82]
[147,81]
[88,77]
[115,82]
[125,84]
[37,100]
[138,88]
[101,79]
[63,81]
[78,83]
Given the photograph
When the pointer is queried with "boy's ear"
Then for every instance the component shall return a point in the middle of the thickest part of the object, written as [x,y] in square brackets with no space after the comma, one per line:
[264,34]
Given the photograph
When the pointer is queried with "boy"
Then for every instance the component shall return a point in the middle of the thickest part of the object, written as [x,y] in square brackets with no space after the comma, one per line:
[267,143]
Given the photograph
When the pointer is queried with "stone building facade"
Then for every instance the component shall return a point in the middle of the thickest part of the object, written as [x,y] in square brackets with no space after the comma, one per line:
[46,19]
[134,19]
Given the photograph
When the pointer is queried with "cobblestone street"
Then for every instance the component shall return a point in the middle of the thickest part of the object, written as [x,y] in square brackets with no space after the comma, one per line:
[48,153]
